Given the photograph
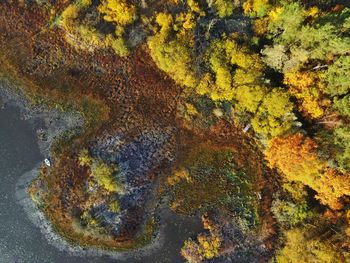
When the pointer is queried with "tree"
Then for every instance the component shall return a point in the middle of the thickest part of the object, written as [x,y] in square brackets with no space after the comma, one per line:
[223,8]
[114,206]
[68,16]
[274,116]
[306,86]
[290,213]
[118,11]
[342,142]
[322,40]
[336,76]
[240,56]
[101,172]
[174,57]
[191,251]
[84,158]
[186,20]
[275,56]
[285,21]
[233,66]
[208,244]
[297,40]
[331,187]
[172,54]
[87,37]
[256,8]
[296,157]
[302,247]
[250,97]
[195,7]
[117,44]
[206,85]
[165,21]
[342,105]
[260,26]
[220,65]
[285,59]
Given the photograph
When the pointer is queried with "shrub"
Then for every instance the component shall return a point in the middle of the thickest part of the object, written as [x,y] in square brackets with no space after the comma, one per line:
[114,206]
[289,213]
[118,45]
[223,7]
[101,172]
[118,11]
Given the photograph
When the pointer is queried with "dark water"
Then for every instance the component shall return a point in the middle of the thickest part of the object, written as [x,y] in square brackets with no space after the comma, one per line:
[22,241]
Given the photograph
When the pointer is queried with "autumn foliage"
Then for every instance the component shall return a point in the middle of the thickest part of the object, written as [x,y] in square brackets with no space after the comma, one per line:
[296,157]
[207,245]
[306,87]
[275,73]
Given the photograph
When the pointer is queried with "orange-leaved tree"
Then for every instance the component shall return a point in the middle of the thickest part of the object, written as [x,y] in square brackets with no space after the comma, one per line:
[296,157]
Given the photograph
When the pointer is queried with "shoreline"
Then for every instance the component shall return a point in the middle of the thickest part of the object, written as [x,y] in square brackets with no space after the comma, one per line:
[54,123]
[37,217]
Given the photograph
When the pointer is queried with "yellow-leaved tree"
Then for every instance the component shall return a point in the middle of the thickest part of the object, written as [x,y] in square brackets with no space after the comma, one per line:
[301,247]
[208,245]
[118,11]
[306,87]
[256,8]
[172,52]
[232,66]
[223,8]
[274,115]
